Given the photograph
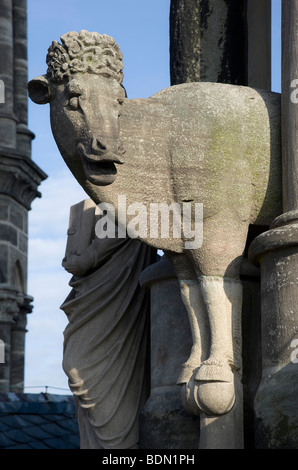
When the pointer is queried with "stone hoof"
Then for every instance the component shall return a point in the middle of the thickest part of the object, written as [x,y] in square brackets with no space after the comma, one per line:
[188,398]
[186,373]
[215,398]
[214,371]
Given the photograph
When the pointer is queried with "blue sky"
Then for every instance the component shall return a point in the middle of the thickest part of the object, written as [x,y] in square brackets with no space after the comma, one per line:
[141,28]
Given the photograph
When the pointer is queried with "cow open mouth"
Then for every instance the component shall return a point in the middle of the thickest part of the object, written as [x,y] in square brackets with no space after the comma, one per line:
[99,169]
[100,172]
[104,167]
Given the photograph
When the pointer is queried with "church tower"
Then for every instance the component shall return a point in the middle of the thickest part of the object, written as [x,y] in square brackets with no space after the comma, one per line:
[19,180]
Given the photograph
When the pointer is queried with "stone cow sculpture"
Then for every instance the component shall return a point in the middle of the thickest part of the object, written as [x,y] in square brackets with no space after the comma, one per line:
[208,143]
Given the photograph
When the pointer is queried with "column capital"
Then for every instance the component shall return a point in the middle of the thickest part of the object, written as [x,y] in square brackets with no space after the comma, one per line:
[9,308]
[19,177]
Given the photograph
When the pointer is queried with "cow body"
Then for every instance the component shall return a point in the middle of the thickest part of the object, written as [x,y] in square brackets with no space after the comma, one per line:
[207,143]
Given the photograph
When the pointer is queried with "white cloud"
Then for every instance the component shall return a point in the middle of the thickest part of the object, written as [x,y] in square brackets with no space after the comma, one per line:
[49,215]
[48,282]
[45,254]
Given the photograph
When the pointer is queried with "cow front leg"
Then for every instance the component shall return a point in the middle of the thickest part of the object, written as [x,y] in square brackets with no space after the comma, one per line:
[194,303]
[197,315]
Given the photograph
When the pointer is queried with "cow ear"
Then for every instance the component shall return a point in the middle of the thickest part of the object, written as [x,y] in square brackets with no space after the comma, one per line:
[39,90]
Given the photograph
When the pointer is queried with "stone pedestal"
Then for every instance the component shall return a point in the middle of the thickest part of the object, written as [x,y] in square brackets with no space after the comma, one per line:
[276,251]
[163,421]
[164,424]
[276,399]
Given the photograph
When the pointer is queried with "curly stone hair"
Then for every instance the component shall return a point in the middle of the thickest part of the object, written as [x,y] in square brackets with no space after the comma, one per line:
[84,52]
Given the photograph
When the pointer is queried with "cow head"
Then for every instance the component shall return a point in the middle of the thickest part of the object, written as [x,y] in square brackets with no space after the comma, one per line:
[84,88]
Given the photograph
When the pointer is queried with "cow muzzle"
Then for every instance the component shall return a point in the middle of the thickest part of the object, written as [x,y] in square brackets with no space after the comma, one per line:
[99,162]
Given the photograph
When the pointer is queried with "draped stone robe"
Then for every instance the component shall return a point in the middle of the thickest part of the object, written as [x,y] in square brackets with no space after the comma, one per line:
[106,339]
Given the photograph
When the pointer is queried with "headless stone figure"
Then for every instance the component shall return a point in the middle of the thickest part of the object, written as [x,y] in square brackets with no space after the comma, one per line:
[105,342]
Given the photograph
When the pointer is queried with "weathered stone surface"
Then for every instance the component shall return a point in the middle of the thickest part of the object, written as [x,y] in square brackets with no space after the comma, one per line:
[5,367]
[8,311]
[17,215]
[259,44]
[250,156]
[8,234]
[226,431]
[208,41]
[4,211]
[23,242]
[17,357]
[289,104]
[4,264]
[17,269]
[275,402]
[164,424]
[220,41]
[276,410]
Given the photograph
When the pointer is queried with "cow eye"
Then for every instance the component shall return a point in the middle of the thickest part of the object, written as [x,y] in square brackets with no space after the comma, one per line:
[74,102]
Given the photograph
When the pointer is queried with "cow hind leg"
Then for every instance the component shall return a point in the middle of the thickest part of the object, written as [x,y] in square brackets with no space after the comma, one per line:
[212,294]
[214,379]
[218,269]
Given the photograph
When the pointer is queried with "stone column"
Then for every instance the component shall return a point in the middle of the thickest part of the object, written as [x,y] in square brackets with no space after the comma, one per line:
[17,355]
[13,274]
[8,120]
[259,44]
[228,42]
[13,280]
[8,310]
[277,253]
[19,179]
[163,422]
[24,136]
[220,41]
[208,41]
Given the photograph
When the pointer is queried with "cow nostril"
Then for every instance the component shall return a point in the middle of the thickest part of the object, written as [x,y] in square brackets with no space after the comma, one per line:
[98,145]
